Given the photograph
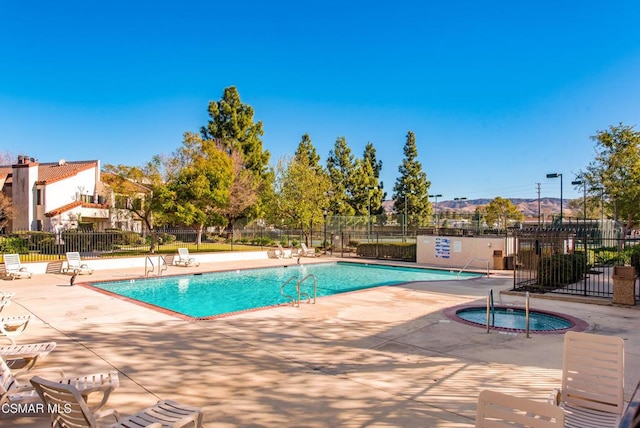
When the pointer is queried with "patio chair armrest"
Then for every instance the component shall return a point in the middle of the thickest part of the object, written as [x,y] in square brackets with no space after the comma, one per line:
[101,414]
[555,397]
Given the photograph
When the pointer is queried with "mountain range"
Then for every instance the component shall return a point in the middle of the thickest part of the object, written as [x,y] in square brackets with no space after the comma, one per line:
[528,207]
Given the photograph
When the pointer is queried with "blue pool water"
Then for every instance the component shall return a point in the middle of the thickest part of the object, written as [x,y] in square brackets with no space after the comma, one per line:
[216,293]
[514,319]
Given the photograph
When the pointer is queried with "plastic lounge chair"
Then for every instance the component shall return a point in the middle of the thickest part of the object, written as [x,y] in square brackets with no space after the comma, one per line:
[184,259]
[6,296]
[592,391]
[28,352]
[307,252]
[496,409]
[284,253]
[75,266]
[71,409]
[13,390]
[13,267]
[14,326]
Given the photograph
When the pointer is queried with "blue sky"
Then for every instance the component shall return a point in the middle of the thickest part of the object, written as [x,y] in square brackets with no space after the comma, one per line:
[498,93]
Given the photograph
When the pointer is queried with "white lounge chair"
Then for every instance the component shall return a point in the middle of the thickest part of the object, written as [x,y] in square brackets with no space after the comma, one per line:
[14,326]
[307,252]
[592,391]
[6,296]
[13,268]
[70,409]
[288,253]
[184,259]
[75,266]
[496,409]
[28,352]
[14,390]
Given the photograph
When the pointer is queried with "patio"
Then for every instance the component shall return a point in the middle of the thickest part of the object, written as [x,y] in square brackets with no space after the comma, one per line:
[385,357]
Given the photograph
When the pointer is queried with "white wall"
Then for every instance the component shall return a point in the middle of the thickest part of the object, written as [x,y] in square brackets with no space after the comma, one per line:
[457,251]
[63,192]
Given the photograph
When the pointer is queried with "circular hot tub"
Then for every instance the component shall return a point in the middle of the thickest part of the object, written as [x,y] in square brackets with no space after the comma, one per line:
[513,319]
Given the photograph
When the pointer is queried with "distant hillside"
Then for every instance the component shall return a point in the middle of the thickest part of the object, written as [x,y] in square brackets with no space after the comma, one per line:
[528,207]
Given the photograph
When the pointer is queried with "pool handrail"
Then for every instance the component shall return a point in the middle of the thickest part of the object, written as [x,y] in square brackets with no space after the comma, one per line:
[147,261]
[315,288]
[471,261]
[162,265]
[293,300]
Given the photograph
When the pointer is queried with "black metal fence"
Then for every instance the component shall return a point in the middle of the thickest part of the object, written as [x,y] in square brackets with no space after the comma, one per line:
[578,262]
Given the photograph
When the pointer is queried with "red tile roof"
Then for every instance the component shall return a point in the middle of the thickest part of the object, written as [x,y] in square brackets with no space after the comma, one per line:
[54,171]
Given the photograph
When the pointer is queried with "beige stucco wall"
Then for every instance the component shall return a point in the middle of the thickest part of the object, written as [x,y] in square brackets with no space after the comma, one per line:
[457,251]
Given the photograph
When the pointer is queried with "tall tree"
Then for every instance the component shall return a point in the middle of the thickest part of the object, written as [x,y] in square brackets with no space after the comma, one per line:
[198,194]
[500,211]
[378,194]
[231,123]
[616,170]
[300,194]
[411,191]
[340,166]
[307,149]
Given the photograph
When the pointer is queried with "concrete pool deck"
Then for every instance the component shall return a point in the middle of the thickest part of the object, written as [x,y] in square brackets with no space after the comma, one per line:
[384,357]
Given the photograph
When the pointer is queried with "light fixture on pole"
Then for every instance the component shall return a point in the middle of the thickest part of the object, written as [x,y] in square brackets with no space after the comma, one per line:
[436,208]
[582,183]
[556,175]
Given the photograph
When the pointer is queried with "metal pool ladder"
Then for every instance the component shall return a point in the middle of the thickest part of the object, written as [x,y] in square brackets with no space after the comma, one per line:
[148,269]
[295,300]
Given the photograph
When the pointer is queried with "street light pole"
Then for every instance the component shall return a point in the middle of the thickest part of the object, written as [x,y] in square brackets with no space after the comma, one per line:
[556,175]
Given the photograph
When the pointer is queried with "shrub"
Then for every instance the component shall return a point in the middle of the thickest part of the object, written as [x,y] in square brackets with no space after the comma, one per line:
[13,244]
[561,269]
[395,251]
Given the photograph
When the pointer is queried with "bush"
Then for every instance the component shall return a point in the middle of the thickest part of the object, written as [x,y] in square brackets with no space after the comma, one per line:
[395,251]
[13,245]
[561,269]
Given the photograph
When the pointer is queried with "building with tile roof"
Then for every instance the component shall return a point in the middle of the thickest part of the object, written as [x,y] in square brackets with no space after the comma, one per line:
[55,196]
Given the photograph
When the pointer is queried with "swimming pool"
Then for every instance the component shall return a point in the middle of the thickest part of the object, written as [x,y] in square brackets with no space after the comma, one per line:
[217,293]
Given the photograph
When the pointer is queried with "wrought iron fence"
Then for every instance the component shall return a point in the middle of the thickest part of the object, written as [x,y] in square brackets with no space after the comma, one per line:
[572,261]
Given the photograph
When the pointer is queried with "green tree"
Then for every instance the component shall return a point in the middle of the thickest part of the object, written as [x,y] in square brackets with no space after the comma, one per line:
[141,188]
[306,148]
[411,195]
[231,123]
[198,192]
[377,194]
[301,194]
[340,167]
[500,211]
[616,170]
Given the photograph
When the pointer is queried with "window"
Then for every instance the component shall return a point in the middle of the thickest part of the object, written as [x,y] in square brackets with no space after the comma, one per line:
[38,196]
